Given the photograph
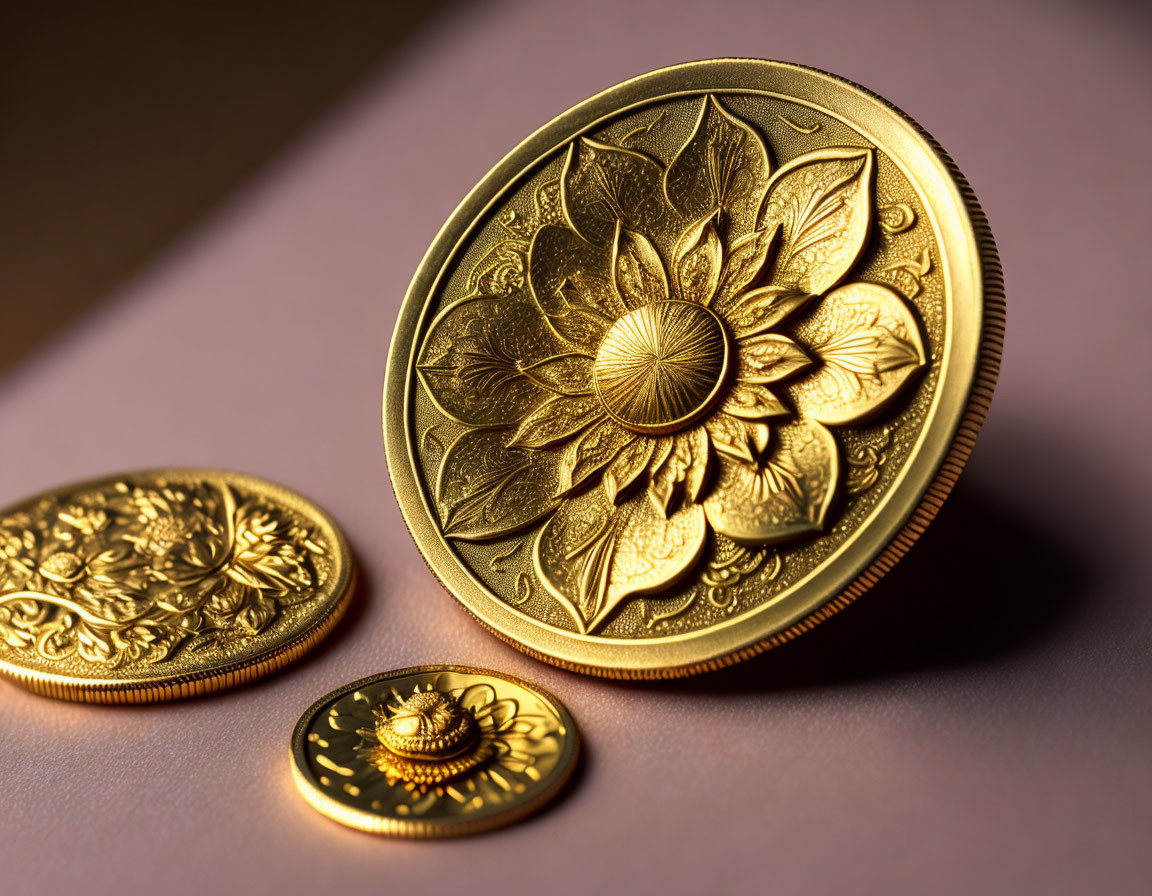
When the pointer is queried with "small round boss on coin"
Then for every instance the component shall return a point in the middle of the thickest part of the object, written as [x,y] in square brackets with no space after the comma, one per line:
[661,366]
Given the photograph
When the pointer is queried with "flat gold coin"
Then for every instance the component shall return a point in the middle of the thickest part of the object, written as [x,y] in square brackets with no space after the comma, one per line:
[433,751]
[692,368]
[164,584]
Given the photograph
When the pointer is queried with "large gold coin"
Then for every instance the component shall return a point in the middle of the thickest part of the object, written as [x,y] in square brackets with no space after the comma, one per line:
[164,584]
[692,367]
[433,751]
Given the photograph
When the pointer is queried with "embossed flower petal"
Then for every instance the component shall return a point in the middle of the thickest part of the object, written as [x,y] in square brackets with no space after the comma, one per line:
[567,277]
[626,468]
[592,556]
[698,260]
[740,439]
[590,453]
[868,344]
[556,420]
[751,401]
[603,184]
[822,201]
[637,269]
[770,357]
[474,357]
[477,696]
[762,309]
[569,373]
[785,496]
[681,470]
[485,489]
[744,264]
[723,165]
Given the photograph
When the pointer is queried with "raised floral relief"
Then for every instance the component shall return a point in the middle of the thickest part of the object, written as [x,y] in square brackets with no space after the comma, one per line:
[667,361]
[438,749]
[131,574]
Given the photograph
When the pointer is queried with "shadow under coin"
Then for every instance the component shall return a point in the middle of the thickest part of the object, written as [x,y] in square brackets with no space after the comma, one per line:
[982,583]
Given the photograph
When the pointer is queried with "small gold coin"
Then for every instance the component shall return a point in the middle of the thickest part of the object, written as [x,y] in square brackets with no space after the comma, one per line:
[692,367]
[433,751]
[164,584]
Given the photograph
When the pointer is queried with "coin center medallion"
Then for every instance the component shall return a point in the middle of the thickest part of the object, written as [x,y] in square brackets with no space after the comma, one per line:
[660,367]
[428,725]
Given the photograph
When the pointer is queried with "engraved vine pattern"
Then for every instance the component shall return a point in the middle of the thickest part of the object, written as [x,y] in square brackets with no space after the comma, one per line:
[132,573]
[666,359]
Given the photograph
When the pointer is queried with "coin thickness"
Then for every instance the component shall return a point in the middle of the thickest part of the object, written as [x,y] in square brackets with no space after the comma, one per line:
[433,751]
[164,584]
[692,367]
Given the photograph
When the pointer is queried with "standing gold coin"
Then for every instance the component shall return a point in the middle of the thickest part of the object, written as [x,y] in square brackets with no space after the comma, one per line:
[433,751]
[164,584]
[692,367]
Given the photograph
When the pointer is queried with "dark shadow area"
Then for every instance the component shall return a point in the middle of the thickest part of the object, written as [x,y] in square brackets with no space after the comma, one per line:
[983,582]
[125,122]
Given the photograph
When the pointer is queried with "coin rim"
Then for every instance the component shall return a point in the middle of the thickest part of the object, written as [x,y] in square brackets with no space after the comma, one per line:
[424,829]
[955,417]
[216,678]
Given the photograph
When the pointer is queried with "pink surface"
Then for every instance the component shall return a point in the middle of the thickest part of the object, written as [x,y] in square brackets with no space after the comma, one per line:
[979,723]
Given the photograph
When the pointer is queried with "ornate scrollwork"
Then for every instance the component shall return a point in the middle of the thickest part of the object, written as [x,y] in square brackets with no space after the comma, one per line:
[133,572]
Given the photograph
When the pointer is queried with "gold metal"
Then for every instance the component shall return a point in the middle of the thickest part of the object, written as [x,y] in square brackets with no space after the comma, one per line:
[164,584]
[692,367]
[433,751]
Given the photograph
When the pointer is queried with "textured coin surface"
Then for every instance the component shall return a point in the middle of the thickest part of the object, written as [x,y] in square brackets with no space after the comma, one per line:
[433,751]
[164,584]
[692,367]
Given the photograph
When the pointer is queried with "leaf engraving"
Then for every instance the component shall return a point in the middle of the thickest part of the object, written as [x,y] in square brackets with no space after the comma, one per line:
[698,260]
[723,166]
[588,455]
[482,369]
[556,420]
[637,268]
[681,472]
[771,357]
[603,184]
[744,265]
[823,204]
[868,345]
[570,287]
[486,489]
[752,401]
[592,556]
[763,309]
[781,497]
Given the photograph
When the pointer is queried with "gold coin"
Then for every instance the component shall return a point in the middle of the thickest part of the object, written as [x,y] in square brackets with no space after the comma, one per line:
[693,367]
[433,751]
[164,584]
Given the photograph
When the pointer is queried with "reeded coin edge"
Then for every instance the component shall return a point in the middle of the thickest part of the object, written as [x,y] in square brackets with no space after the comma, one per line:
[989,349]
[421,829]
[214,679]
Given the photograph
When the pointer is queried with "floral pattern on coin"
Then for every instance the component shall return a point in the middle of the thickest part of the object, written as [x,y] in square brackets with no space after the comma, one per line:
[130,574]
[441,748]
[684,399]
